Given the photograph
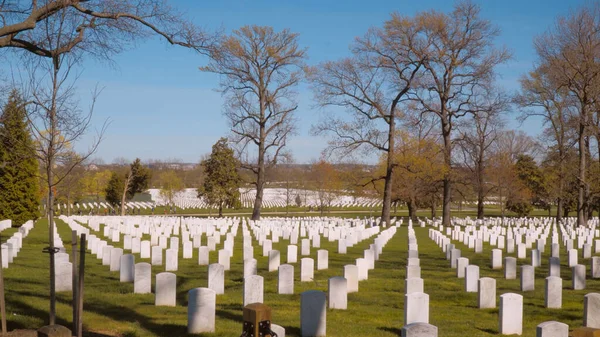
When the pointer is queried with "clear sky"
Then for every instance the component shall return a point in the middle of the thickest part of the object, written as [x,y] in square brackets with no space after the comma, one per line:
[161,106]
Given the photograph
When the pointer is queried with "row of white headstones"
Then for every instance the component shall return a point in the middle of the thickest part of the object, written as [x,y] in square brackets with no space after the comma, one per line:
[12,246]
[505,238]
[202,301]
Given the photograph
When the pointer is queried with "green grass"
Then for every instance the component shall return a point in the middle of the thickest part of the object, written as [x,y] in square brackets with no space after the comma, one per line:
[111,308]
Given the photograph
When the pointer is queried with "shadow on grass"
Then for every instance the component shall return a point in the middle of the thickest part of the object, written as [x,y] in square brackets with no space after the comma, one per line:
[395,331]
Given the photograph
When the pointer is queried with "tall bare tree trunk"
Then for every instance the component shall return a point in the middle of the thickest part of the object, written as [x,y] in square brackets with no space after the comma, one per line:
[412,209]
[447,192]
[50,207]
[387,190]
[260,176]
[561,188]
[581,197]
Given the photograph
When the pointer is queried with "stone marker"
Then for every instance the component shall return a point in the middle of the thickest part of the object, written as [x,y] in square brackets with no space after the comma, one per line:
[527,278]
[115,259]
[591,310]
[216,278]
[461,264]
[323,259]
[486,296]
[305,247]
[413,271]
[145,249]
[351,275]
[188,250]
[203,259]
[454,255]
[225,259]
[64,276]
[595,267]
[106,250]
[143,278]
[313,314]
[578,277]
[279,330]
[171,259]
[337,295]
[416,308]
[166,290]
[510,268]
[471,278]
[553,292]
[554,268]
[157,256]
[292,254]
[511,314]
[250,267]
[274,260]
[127,271]
[572,257]
[253,289]
[286,279]
[307,269]
[202,304]
[552,329]
[419,330]
[496,259]
[413,285]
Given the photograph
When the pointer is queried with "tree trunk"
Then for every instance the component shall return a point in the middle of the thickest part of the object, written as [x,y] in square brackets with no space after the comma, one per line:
[220,209]
[389,170]
[412,209]
[124,195]
[480,204]
[433,208]
[581,202]
[447,196]
[50,207]
[260,176]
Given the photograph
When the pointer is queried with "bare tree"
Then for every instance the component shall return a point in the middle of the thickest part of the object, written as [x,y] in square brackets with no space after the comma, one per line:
[259,70]
[102,27]
[541,97]
[460,62]
[569,50]
[475,141]
[57,123]
[371,86]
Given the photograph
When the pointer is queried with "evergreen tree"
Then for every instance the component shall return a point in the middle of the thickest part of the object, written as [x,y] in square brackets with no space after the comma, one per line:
[19,185]
[221,185]
[114,188]
[122,188]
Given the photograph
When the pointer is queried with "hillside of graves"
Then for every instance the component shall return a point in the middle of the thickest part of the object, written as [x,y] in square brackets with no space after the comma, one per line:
[140,270]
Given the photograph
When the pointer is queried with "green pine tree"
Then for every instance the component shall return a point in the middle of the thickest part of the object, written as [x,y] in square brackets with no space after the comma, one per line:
[221,183]
[19,176]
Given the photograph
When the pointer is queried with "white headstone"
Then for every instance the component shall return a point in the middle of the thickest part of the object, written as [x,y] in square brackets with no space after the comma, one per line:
[143,278]
[337,293]
[313,314]
[253,289]
[202,304]
[511,314]
[216,278]
[166,290]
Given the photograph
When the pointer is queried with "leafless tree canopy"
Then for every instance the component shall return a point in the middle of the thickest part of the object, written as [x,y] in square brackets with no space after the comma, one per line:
[259,70]
[460,61]
[99,27]
[569,51]
[371,86]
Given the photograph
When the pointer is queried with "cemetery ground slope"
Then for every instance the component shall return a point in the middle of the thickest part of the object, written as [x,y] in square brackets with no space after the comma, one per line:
[111,308]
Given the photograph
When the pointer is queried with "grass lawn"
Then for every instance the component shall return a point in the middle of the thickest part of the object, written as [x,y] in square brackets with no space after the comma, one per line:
[111,308]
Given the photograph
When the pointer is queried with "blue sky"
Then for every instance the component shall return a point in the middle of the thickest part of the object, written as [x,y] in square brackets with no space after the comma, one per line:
[161,106]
